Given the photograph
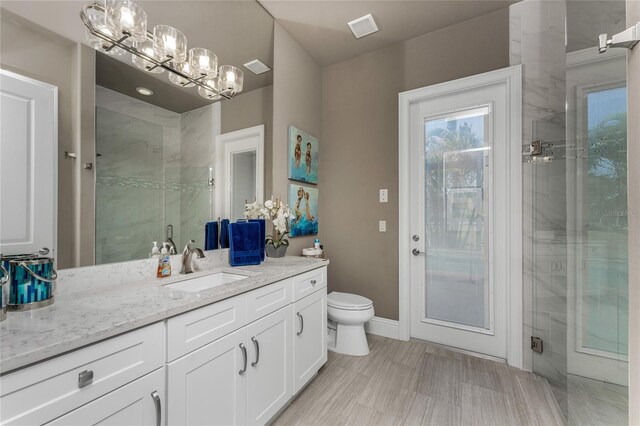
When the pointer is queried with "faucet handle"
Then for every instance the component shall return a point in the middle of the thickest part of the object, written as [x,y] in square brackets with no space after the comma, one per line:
[187,247]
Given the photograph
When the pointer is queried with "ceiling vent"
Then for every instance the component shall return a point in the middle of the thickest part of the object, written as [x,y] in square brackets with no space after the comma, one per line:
[257,67]
[363,26]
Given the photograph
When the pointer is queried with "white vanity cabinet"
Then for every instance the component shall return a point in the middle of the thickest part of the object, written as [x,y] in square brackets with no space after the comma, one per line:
[45,391]
[138,403]
[242,378]
[233,362]
[309,338]
[248,376]
[269,371]
[205,387]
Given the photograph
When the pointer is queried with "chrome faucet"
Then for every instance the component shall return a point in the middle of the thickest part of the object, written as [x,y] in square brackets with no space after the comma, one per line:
[187,257]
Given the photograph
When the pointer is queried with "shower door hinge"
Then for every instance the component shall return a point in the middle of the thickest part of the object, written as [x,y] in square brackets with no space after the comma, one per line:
[535,148]
[536,344]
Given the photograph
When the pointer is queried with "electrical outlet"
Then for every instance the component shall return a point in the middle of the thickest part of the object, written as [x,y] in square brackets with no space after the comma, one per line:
[384,195]
[382,226]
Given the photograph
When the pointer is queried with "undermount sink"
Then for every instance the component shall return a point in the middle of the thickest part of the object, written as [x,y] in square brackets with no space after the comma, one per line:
[208,281]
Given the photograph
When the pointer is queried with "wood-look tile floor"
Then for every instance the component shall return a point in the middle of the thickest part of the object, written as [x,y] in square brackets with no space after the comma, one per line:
[415,383]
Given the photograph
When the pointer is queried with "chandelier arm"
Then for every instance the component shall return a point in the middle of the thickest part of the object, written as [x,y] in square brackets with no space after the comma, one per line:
[166,64]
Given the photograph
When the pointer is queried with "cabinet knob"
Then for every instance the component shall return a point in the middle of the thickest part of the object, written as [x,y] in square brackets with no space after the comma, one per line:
[313,282]
[85,378]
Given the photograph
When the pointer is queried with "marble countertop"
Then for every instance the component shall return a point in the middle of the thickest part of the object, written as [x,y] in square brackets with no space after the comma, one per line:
[95,303]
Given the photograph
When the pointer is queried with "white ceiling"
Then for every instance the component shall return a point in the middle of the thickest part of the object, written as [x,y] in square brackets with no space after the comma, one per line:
[320,27]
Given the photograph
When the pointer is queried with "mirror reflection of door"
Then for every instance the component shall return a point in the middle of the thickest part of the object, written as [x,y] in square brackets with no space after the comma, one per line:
[243,181]
[239,171]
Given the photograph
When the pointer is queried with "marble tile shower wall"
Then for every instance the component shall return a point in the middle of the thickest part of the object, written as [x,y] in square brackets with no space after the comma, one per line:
[198,129]
[143,182]
[537,41]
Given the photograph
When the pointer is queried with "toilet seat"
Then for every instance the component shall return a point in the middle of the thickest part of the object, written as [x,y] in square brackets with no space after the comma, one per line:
[348,301]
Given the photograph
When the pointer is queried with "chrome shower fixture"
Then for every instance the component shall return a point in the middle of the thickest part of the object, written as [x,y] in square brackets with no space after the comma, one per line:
[627,38]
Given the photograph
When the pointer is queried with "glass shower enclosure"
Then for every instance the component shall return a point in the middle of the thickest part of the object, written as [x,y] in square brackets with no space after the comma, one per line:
[576,183]
[142,193]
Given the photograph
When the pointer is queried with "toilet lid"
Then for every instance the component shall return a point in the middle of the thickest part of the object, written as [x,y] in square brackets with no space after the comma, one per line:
[339,300]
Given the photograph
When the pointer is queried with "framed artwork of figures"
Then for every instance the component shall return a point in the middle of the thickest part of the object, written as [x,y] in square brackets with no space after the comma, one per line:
[303,156]
[303,201]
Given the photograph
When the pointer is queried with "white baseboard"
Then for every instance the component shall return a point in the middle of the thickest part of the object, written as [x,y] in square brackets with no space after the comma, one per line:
[382,327]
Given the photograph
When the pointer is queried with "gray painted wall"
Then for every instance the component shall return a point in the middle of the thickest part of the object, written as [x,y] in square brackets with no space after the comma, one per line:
[297,100]
[30,51]
[359,145]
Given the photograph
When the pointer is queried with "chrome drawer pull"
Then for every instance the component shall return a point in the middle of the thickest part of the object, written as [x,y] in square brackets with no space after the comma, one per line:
[257,346]
[156,402]
[313,282]
[301,324]
[85,378]
[244,356]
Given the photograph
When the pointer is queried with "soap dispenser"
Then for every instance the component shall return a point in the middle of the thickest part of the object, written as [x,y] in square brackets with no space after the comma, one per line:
[155,251]
[164,262]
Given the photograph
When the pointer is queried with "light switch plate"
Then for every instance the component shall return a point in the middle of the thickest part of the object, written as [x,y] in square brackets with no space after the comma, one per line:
[384,195]
[382,226]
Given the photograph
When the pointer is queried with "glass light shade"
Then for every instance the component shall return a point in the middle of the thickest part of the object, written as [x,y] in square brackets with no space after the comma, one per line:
[230,79]
[176,79]
[203,62]
[169,43]
[209,94]
[101,45]
[145,47]
[97,19]
[124,17]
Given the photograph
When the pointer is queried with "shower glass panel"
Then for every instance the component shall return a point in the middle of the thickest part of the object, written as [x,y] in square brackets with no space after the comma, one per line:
[456,219]
[602,306]
[578,224]
[129,193]
[196,203]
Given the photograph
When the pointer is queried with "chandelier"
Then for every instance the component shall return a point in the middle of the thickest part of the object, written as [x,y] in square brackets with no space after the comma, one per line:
[116,27]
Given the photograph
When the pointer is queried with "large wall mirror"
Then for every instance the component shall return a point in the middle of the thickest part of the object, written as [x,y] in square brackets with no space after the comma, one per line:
[140,158]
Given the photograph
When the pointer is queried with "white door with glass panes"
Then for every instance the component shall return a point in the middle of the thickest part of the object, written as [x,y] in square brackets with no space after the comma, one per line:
[460,199]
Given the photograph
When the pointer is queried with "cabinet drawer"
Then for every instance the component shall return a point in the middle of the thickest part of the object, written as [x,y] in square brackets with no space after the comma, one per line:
[268,299]
[192,330]
[139,403]
[309,282]
[51,388]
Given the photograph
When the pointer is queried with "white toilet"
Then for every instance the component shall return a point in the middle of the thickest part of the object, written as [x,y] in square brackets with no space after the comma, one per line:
[347,314]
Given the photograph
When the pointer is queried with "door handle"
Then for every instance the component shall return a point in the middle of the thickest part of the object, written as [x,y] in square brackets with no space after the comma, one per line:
[244,357]
[301,324]
[156,402]
[257,346]
[417,252]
